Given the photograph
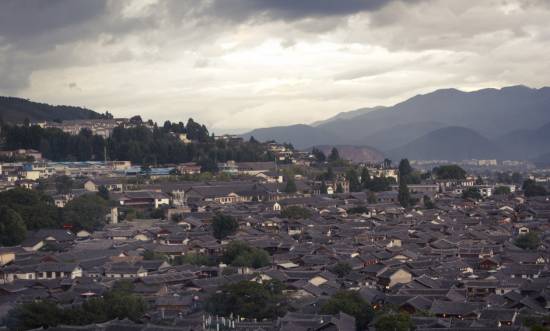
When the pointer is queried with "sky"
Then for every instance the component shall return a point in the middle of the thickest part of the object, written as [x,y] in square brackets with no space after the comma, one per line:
[236,65]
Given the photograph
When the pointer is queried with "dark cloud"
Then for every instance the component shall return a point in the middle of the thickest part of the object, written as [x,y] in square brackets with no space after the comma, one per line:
[292,9]
[27,19]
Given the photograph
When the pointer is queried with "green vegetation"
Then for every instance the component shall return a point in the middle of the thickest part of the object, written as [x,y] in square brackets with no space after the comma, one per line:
[250,300]
[139,144]
[341,269]
[86,212]
[379,184]
[394,322]
[318,155]
[352,304]
[296,212]
[529,241]
[223,226]
[12,228]
[354,183]
[116,303]
[63,184]
[502,190]
[471,193]
[404,196]
[290,186]
[532,189]
[452,171]
[35,208]
[428,203]
[240,254]
[334,155]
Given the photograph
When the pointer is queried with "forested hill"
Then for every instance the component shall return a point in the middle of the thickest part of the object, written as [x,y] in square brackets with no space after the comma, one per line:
[16,110]
[138,144]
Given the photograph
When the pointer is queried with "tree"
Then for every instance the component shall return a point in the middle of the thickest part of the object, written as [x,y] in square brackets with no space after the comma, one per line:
[479,180]
[452,171]
[532,189]
[104,193]
[365,178]
[329,175]
[334,155]
[296,212]
[428,203]
[404,196]
[250,300]
[394,322]
[502,190]
[318,155]
[341,269]
[63,184]
[379,184]
[471,193]
[371,197]
[529,241]
[36,209]
[86,212]
[224,225]
[119,303]
[290,186]
[353,178]
[12,227]
[351,303]
[240,254]
[339,188]
[405,170]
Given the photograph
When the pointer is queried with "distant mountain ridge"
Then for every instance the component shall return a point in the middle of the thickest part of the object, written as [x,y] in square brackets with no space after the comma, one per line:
[507,121]
[16,110]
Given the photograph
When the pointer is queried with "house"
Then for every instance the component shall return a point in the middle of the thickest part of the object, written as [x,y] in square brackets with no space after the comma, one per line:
[142,199]
[54,270]
[110,183]
[125,270]
[392,277]
[457,310]
[7,255]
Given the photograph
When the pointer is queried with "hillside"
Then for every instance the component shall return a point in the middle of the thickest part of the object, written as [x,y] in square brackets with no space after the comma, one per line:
[450,143]
[490,113]
[527,144]
[300,135]
[354,153]
[16,110]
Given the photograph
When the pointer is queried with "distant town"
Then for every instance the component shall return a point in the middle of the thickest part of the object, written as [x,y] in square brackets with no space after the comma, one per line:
[125,224]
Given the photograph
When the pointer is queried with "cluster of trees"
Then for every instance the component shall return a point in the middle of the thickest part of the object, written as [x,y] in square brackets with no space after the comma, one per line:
[118,302]
[333,157]
[528,241]
[240,254]
[376,183]
[224,226]
[296,212]
[351,303]
[451,171]
[250,300]
[532,189]
[22,210]
[267,301]
[471,193]
[139,144]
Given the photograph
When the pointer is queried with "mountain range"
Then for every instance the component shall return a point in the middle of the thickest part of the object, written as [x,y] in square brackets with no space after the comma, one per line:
[16,110]
[448,124]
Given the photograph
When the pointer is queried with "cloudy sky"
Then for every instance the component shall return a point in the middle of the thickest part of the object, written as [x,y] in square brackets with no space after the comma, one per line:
[241,64]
